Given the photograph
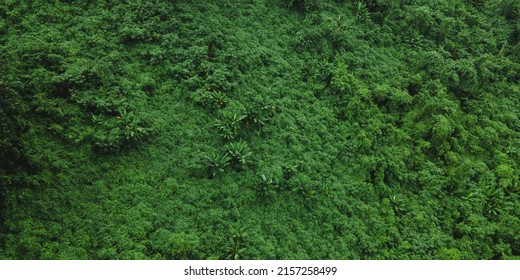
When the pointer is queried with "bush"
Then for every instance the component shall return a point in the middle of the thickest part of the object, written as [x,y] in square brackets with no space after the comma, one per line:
[216,163]
[267,187]
[304,5]
[239,153]
[228,125]
[116,132]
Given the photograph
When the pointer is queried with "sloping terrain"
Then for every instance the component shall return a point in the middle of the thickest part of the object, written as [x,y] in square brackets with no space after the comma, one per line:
[263,129]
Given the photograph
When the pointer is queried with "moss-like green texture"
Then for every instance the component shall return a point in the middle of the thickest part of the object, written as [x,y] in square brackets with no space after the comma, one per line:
[260,129]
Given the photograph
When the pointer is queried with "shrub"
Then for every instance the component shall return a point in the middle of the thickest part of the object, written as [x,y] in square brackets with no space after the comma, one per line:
[267,187]
[257,113]
[115,132]
[175,246]
[228,125]
[211,101]
[237,243]
[398,204]
[304,5]
[510,9]
[239,153]
[216,163]
[361,11]
[496,202]
[219,99]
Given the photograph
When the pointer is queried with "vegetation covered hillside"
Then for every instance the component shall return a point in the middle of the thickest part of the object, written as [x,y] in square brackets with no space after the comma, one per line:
[260,129]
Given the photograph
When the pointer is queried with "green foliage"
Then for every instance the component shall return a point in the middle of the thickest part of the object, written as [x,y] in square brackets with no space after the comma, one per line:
[237,244]
[495,202]
[304,5]
[114,133]
[216,163]
[213,101]
[267,187]
[219,99]
[257,113]
[239,153]
[510,9]
[343,82]
[361,11]
[177,246]
[228,125]
[13,126]
[372,129]
[398,204]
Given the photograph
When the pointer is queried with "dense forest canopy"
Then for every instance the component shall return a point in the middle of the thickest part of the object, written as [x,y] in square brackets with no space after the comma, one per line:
[260,129]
